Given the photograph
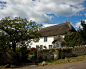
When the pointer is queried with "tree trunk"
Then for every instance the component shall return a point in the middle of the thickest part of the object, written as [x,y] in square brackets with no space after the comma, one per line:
[14,47]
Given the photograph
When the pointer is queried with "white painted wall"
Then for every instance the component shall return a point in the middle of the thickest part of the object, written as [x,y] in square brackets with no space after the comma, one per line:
[41,42]
[50,39]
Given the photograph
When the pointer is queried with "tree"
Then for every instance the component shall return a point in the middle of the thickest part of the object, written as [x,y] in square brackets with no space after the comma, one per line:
[77,38]
[3,42]
[74,39]
[82,30]
[19,29]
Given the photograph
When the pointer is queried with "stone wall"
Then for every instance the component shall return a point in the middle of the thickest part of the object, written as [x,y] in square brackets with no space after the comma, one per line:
[55,53]
[6,57]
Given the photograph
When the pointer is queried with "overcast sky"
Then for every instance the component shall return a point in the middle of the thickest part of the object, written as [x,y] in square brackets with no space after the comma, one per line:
[47,12]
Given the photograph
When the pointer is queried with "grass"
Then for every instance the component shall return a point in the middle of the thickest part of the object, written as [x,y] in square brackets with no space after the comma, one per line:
[62,61]
[54,62]
[3,66]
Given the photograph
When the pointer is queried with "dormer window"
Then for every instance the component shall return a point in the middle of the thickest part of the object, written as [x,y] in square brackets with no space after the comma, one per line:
[55,37]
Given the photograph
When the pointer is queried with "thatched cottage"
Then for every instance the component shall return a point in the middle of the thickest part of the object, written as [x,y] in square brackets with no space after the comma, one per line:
[52,36]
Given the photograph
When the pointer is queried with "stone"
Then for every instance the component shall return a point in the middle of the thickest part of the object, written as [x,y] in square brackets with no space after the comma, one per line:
[66,60]
[55,56]
[85,56]
[7,66]
[43,63]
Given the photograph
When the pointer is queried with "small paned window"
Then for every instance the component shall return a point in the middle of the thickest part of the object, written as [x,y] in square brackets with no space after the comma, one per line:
[50,46]
[45,39]
[41,46]
[37,46]
[55,37]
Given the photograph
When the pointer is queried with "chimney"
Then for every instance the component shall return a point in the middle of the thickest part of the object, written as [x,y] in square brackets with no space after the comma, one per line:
[68,22]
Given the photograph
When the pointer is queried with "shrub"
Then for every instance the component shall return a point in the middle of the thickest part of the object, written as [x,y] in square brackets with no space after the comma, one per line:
[39,57]
[24,53]
[31,53]
[62,55]
[53,50]
[31,49]
[45,58]
[35,54]
[15,58]
[73,54]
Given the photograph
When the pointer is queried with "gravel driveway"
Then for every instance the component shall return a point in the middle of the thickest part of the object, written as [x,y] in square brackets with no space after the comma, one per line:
[74,65]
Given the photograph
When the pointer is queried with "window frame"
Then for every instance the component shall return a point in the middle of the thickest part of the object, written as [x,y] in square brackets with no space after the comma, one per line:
[45,39]
[50,47]
[55,37]
[41,46]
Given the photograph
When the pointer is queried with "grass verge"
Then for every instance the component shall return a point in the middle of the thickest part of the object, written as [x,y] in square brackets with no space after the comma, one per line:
[62,61]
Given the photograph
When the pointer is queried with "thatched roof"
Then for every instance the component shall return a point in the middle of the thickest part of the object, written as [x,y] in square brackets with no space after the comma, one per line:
[59,29]
[60,39]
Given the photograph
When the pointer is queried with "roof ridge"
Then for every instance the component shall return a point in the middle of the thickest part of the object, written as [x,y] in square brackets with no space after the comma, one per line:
[56,25]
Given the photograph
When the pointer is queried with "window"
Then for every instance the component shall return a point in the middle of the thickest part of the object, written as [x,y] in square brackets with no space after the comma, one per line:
[29,47]
[56,44]
[50,46]
[37,46]
[55,37]
[41,46]
[45,39]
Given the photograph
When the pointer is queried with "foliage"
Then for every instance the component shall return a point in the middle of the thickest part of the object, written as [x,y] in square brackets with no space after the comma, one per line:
[31,53]
[62,55]
[39,59]
[35,54]
[73,54]
[33,48]
[15,58]
[24,54]
[77,38]
[4,45]
[74,39]
[53,50]
[19,29]
[82,31]
[45,58]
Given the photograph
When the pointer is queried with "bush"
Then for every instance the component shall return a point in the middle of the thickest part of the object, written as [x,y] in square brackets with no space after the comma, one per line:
[40,57]
[62,55]
[35,54]
[73,54]
[53,50]
[24,53]
[45,58]
[31,49]
[15,58]
[31,53]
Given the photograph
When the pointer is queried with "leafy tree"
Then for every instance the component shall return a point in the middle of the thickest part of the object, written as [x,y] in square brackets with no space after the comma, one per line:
[19,29]
[3,42]
[77,38]
[74,39]
[82,30]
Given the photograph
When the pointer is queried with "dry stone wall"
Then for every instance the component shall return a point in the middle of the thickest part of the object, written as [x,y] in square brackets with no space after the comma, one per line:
[56,53]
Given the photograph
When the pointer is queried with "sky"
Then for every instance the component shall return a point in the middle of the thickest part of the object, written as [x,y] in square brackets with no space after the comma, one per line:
[46,12]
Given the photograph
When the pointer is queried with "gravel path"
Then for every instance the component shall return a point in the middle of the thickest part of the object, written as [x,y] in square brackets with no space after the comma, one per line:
[74,65]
